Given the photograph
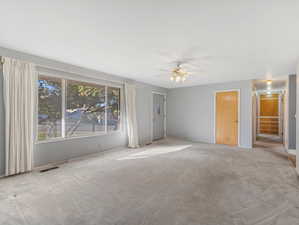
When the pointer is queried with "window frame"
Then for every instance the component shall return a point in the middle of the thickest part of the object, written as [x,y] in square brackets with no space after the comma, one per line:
[120,109]
[64,80]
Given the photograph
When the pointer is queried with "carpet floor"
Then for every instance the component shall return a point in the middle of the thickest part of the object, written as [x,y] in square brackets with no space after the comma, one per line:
[170,182]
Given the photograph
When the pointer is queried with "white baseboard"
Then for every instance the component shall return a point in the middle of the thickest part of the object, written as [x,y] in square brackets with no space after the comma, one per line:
[292,151]
[246,146]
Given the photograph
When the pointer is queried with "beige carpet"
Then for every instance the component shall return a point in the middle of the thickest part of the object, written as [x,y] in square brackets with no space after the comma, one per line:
[172,182]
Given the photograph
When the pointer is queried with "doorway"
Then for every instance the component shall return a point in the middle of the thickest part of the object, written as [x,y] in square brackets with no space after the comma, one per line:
[159,103]
[270,117]
[269,113]
[227,117]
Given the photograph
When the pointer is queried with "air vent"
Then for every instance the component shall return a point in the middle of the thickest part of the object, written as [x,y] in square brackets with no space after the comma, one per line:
[48,169]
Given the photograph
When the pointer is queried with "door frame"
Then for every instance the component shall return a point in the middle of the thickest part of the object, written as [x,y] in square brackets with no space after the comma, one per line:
[280,111]
[239,113]
[165,114]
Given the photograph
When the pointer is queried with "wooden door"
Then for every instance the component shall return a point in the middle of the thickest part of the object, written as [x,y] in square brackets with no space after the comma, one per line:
[227,117]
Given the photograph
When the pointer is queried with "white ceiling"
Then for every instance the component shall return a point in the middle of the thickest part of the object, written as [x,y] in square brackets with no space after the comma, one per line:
[228,40]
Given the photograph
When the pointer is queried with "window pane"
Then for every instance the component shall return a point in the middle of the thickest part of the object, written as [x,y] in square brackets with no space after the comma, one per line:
[49,108]
[85,108]
[113,108]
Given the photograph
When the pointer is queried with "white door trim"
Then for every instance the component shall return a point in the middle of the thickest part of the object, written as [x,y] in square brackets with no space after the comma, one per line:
[280,113]
[165,114]
[239,112]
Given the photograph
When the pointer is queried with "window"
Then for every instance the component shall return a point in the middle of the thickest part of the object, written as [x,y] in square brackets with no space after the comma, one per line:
[49,108]
[113,108]
[85,108]
[68,108]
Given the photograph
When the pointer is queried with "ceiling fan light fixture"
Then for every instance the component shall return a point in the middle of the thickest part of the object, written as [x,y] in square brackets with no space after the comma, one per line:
[178,75]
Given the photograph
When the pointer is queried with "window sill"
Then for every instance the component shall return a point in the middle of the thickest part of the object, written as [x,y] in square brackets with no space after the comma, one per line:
[78,137]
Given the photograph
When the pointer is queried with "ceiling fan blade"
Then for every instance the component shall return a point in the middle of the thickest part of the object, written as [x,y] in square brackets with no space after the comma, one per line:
[162,75]
[166,70]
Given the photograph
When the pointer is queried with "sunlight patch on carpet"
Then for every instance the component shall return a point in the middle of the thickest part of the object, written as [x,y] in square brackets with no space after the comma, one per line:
[154,151]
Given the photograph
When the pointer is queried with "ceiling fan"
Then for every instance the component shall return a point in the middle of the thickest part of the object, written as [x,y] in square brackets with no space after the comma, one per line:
[178,74]
[180,66]
[181,70]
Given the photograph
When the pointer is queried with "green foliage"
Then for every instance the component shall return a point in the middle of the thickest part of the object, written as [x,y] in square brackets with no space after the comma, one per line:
[49,98]
[79,95]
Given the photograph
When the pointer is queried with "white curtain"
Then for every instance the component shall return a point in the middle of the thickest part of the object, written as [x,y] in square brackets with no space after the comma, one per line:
[19,94]
[130,95]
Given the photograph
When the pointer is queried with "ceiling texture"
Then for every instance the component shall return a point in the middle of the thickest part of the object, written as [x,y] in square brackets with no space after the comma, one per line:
[143,40]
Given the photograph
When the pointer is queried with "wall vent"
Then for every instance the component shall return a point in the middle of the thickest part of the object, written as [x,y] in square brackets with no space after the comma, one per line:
[48,169]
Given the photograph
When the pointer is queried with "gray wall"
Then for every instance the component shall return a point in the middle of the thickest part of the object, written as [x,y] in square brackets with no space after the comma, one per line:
[292,111]
[70,148]
[297,121]
[50,152]
[2,127]
[190,112]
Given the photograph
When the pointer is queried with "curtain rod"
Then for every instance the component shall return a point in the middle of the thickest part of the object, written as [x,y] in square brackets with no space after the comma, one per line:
[2,60]
[78,74]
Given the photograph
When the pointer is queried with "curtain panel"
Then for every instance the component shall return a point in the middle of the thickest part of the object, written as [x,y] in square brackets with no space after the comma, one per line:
[131,115]
[19,99]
